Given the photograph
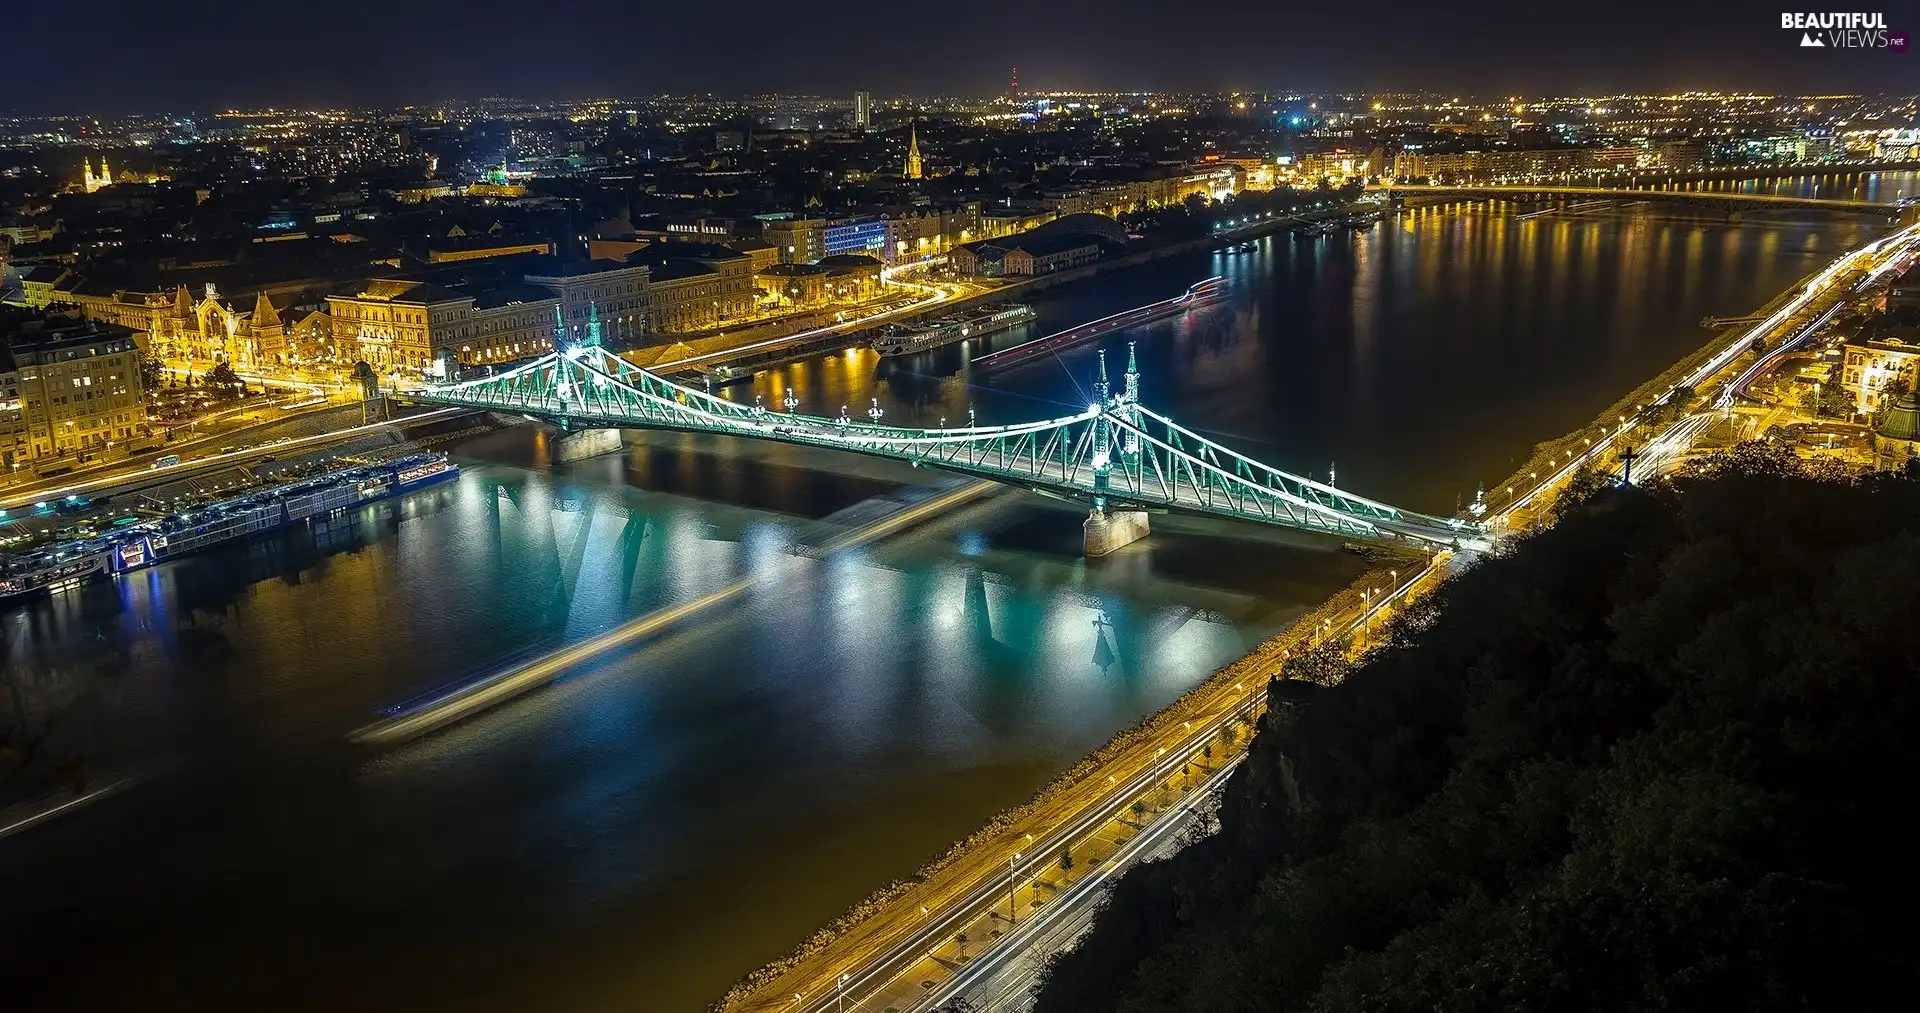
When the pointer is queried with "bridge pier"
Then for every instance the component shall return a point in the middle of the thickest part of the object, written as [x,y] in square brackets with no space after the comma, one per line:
[1107,530]
[584,443]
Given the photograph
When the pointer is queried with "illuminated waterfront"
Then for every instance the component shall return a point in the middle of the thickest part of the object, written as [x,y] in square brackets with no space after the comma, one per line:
[658,824]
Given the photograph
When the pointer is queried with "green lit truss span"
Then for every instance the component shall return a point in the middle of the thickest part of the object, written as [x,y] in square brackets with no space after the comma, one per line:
[1117,454]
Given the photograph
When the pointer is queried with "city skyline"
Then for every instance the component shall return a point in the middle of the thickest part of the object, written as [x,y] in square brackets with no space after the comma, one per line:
[199,54]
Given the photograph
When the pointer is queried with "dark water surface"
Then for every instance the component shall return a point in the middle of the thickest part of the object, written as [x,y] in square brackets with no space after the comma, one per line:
[670,816]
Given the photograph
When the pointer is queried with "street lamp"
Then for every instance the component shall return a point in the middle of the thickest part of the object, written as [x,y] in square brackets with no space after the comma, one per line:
[1013,913]
[841,1005]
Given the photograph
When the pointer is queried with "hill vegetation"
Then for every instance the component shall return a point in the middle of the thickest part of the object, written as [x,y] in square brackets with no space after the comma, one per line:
[1653,757]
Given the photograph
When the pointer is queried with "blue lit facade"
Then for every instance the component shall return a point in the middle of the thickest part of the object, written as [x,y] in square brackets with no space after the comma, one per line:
[866,235]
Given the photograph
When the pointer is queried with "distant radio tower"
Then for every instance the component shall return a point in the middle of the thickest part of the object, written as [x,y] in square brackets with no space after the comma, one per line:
[1013,81]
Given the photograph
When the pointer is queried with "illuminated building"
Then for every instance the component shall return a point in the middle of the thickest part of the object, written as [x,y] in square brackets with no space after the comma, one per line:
[1896,435]
[1338,165]
[616,291]
[695,286]
[863,234]
[411,325]
[845,279]
[76,385]
[37,284]
[862,111]
[913,167]
[176,325]
[1066,243]
[1869,367]
[760,252]
[1898,146]
[797,240]
[459,246]
[92,183]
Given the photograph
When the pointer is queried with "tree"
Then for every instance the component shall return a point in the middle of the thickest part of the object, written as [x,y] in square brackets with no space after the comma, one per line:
[1749,458]
[1324,663]
[1066,858]
[1584,484]
[1827,400]
[224,382]
[153,373]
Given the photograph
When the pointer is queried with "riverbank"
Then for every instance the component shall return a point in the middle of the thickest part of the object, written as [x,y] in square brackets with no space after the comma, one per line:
[1621,420]
[664,357]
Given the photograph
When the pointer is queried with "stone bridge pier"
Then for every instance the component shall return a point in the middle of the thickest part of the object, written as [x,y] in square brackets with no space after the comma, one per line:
[578,445]
[1107,529]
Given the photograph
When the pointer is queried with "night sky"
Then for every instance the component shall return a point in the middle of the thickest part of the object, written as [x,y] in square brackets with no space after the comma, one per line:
[139,55]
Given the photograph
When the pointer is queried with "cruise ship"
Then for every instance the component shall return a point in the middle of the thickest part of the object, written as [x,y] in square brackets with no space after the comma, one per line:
[904,339]
[166,538]
[1198,294]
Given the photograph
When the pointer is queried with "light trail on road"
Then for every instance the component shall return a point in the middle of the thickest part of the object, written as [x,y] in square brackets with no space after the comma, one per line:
[1820,283]
[939,294]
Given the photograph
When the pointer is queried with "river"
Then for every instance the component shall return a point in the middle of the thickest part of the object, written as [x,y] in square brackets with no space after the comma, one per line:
[668,817]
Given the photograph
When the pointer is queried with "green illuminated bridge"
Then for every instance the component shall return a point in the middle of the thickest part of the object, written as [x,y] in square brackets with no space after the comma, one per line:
[1117,456]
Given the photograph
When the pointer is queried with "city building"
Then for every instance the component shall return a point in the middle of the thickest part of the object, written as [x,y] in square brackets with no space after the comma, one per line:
[1870,365]
[846,279]
[395,325]
[37,284]
[71,390]
[797,240]
[857,234]
[459,246]
[614,289]
[862,111]
[695,286]
[1069,242]
[1504,163]
[759,251]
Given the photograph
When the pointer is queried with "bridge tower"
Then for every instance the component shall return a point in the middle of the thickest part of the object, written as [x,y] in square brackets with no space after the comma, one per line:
[1130,402]
[1102,438]
[1107,529]
[571,444]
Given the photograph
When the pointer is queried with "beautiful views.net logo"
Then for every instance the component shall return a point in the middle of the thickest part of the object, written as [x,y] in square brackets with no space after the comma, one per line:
[1844,30]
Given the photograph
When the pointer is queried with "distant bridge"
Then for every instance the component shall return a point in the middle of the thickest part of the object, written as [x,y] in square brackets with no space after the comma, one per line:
[1117,456]
[1731,203]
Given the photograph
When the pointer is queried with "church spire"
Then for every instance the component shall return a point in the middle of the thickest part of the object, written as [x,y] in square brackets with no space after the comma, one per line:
[913,170]
[264,315]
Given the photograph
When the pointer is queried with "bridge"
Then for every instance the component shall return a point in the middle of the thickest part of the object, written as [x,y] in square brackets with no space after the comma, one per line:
[1731,203]
[1118,457]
